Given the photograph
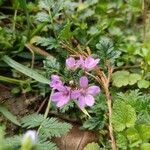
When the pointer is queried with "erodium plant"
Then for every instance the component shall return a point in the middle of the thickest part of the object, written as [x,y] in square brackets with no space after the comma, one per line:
[83,94]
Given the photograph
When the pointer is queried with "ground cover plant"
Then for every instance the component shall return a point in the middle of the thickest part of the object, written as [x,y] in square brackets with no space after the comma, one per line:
[74,74]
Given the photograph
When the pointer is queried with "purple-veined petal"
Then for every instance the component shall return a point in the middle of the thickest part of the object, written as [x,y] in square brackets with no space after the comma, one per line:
[83,81]
[55,77]
[89,100]
[57,96]
[71,63]
[81,102]
[93,90]
[80,62]
[56,83]
[75,94]
[63,100]
[90,63]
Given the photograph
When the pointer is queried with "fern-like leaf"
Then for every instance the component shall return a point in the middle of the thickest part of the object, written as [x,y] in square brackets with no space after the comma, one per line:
[52,127]
[45,146]
[106,50]
[32,121]
[49,127]
[13,142]
[49,43]
[124,115]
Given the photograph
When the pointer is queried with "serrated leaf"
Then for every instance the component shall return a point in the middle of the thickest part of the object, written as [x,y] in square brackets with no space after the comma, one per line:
[133,78]
[32,121]
[65,33]
[49,126]
[46,4]
[143,84]
[92,146]
[45,146]
[121,141]
[106,50]
[51,64]
[67,107]
[144,132]
[13,141]
[9,115]
[49,43]
[133,135]
[123,116]
[120,78]
[53,127]
[124,78]
[25,70]
[42,17]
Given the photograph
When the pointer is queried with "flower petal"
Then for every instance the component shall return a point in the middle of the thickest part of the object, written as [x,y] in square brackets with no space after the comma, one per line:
[55,77]
[56,96]
[89,100]
[93,90]
[75,94]
[81,102]
[90,63]
[83,81]
[56,83]
[63,100]
[70,63]
[80,62]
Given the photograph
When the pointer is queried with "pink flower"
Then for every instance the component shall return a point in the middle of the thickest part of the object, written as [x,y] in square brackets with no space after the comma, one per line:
[61,97]
[72,64]
[56,83]
[85,94]
[89,63]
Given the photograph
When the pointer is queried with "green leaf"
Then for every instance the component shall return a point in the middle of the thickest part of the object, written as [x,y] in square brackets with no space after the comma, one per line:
[25,70]
[106,50]
[143,84]
[49,126]
[121,141]
[124,78]
[65,33]
[133,135]
[144,132]
[9,115]
[32,121]
[45,146]
[123,116]
[42,17]
[49,43]
[53,127]
[145,146]
[120,78]
[13,142]
[133,78]
[46,4]
[92,146]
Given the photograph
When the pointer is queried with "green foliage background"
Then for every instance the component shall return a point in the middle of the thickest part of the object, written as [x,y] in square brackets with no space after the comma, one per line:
[115,30]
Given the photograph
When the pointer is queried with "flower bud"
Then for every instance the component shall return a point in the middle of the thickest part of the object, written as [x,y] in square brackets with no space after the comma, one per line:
[29,140]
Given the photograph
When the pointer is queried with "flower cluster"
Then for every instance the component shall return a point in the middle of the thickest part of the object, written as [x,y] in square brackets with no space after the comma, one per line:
[84,93]
[86,64]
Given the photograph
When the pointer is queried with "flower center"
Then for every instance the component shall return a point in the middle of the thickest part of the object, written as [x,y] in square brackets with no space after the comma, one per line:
[83,91]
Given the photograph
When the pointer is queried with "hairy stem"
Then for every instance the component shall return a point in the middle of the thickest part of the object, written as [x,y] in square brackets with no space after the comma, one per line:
[110,127]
